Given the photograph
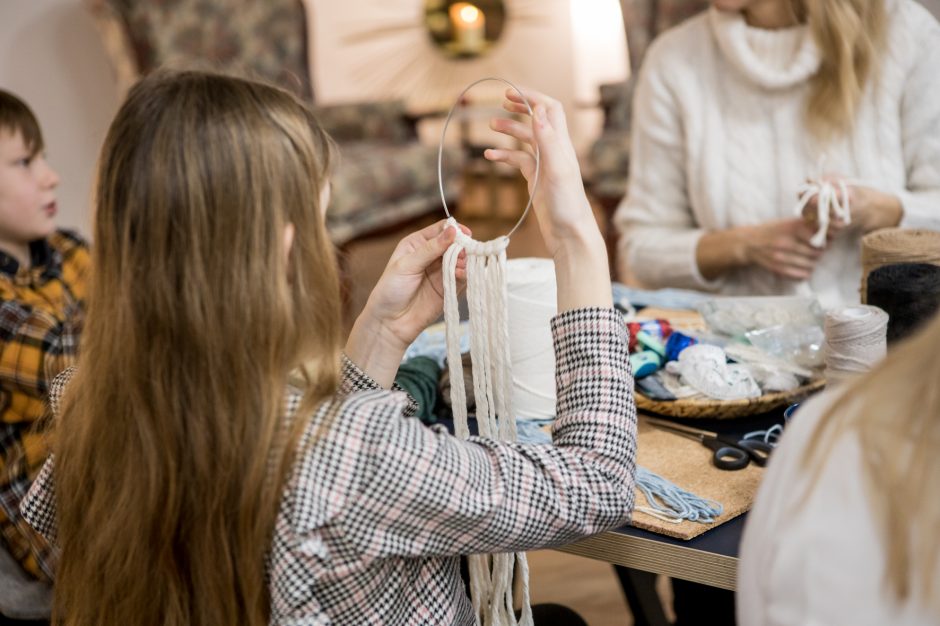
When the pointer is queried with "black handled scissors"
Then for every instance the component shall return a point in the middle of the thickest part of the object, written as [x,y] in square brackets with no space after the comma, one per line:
[730,453]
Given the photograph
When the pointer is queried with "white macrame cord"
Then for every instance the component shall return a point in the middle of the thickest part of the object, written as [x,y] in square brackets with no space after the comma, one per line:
[827,200]
[491,576]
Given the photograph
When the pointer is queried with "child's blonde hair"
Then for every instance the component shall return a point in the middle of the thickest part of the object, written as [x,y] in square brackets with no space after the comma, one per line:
[172,450]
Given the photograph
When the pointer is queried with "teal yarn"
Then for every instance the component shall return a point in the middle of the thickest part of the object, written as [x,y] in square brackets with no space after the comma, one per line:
[671,503]
[419,377]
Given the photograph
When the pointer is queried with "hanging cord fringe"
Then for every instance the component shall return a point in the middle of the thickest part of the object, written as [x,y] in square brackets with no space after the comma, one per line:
[491,576]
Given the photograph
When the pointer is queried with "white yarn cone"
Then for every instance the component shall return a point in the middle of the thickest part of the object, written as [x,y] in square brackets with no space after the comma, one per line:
[532,303]
[855,340]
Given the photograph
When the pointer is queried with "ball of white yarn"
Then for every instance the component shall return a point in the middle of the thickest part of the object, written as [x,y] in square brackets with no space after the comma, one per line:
[855,340]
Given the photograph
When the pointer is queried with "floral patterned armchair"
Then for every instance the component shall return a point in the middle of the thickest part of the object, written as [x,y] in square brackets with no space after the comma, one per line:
[385,177]
[610,155]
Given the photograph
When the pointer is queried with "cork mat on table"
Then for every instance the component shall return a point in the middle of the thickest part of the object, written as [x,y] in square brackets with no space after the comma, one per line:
[688,464]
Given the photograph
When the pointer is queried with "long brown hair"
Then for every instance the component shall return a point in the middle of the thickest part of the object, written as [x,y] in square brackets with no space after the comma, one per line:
[171,449]
[895,413]
[851,37]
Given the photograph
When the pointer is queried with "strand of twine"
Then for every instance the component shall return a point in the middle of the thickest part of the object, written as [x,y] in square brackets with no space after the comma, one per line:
[491,576]
[855,340]
[671,503]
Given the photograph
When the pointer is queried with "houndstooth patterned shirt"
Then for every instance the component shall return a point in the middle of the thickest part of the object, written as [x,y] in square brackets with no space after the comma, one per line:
[379,506]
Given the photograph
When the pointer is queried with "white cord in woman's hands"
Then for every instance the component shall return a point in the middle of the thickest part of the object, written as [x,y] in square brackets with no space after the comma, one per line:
[829,201]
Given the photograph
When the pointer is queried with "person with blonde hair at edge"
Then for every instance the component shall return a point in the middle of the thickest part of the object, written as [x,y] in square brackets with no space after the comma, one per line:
[845,526]
[737,109]
[219,459]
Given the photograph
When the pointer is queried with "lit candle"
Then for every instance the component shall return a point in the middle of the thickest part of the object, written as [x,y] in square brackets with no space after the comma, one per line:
[469,27]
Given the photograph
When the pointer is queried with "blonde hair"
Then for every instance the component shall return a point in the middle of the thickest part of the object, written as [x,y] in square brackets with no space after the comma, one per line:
[895,413]
[172,447]
[851,37]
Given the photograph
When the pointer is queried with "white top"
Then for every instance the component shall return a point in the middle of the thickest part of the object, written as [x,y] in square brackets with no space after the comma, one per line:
[718,142]
[817,561]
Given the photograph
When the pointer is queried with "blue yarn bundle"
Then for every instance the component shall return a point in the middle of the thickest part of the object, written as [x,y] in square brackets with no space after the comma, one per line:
[671,503]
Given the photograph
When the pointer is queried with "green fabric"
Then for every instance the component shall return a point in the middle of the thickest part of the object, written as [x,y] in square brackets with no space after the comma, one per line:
[419,377]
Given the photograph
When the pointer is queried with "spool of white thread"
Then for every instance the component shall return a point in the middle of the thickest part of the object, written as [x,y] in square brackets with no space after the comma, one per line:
[532,302]
[855,340]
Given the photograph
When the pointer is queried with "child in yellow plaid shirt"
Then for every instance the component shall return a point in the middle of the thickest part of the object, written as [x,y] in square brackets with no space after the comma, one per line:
[42,292]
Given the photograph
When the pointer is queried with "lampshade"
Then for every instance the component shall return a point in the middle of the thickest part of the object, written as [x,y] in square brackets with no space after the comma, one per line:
[380,49]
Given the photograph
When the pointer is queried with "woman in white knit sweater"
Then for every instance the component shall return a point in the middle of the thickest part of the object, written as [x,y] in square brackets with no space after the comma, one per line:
[737,108]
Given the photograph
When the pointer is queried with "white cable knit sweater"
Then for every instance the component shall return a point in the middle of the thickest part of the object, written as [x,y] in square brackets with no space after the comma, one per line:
[718,141]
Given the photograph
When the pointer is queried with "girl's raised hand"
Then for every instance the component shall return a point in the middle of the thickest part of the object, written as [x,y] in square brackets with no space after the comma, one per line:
[560,202]
[561,206]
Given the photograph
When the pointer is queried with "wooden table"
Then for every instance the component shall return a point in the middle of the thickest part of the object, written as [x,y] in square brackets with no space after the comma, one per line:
[710,558]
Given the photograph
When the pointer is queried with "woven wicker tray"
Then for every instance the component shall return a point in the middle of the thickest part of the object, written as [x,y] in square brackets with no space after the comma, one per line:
[726,409]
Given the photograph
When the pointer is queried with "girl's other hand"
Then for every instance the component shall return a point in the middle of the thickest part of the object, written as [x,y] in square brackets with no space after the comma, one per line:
[407,298]
[782,247]
[869,209]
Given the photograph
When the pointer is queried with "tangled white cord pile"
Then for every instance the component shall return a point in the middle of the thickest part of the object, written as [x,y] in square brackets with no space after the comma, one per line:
[491,576]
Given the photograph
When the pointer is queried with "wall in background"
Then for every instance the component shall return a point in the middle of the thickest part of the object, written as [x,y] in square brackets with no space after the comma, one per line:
[50,56]
[372,49]
[369,49]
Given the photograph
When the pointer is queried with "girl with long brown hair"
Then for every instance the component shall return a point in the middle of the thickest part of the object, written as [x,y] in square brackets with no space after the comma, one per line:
[737,108]
[846,526]
[218,461]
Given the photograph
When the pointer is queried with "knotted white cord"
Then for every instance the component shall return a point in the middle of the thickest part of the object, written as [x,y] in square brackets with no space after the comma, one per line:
[491,577]
[827,201]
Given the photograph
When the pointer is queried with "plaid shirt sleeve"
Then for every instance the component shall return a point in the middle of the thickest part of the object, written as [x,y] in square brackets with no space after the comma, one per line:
[34,347]
[418,492]
[40,323]
[38,507]
[41,315]
[354,379]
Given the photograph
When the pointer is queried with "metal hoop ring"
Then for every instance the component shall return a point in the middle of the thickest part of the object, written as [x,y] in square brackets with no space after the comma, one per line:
[440,151]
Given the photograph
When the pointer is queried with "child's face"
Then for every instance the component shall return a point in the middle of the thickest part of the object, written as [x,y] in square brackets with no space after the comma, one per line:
[27,192]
